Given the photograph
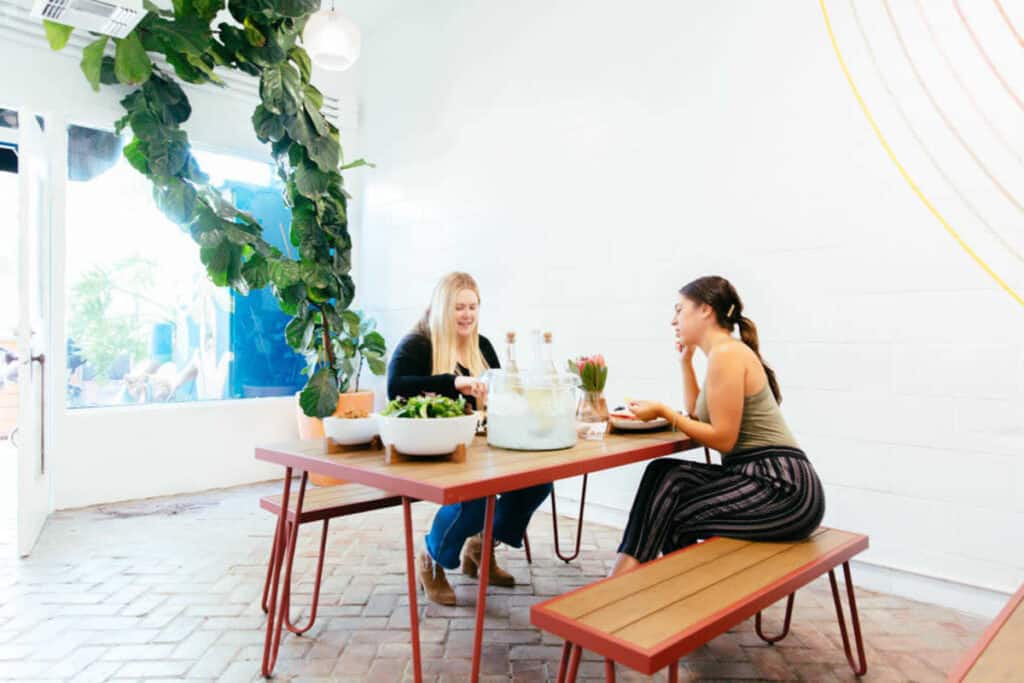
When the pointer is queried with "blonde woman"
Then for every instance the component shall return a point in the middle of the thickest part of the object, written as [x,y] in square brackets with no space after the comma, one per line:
[446,354]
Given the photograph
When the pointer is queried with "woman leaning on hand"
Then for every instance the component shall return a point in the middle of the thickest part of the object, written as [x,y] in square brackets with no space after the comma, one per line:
[765,489]
[446,354]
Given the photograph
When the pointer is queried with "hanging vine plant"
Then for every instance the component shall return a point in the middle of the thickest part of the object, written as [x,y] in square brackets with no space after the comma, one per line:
[317,288]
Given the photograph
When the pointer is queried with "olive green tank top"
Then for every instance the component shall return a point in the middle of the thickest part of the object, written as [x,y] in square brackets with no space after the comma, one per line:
[762,423]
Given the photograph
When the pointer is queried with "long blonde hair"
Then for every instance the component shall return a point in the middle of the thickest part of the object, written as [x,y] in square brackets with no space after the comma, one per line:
[438,324]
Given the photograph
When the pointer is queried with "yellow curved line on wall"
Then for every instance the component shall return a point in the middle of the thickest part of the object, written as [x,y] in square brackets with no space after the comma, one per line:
[903,171]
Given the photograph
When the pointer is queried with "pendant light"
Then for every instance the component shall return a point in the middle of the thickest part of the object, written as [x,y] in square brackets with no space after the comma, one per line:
[332,40]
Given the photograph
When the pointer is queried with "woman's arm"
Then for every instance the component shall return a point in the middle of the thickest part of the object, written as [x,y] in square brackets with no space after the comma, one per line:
[724,387]
[409,371]
[690,387]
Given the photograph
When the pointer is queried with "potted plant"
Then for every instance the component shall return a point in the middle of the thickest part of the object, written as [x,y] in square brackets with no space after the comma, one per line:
[592,411]
[357,343]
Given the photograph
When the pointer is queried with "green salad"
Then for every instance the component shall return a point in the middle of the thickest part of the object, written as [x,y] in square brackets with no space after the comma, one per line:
[429,406]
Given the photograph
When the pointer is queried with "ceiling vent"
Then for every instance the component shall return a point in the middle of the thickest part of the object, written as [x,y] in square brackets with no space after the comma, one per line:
[110,18]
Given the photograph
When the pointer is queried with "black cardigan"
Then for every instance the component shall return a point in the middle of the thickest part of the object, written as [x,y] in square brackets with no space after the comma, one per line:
[409,372]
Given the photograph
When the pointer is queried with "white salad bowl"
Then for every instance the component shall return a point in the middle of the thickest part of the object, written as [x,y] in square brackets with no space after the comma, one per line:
[427,436]
[351,431]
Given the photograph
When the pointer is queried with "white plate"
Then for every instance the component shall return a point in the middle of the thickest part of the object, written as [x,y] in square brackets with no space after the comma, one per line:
[628,425]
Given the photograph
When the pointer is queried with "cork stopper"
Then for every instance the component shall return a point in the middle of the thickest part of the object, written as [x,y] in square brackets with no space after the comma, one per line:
[547,337]
[510,337]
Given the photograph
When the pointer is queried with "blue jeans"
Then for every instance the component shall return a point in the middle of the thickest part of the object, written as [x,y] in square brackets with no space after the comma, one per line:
[453,524]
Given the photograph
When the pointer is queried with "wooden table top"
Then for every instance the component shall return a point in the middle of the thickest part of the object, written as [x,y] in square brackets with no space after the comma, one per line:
[487,471]
[650,617]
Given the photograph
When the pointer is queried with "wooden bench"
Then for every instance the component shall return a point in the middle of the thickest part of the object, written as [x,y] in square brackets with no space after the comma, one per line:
[999,654]
[650,617]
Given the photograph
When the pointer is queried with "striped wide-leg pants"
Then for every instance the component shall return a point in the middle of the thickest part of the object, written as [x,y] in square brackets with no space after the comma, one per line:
[766,494]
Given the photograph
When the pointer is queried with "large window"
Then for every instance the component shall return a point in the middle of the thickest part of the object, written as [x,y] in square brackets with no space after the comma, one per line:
[145,324]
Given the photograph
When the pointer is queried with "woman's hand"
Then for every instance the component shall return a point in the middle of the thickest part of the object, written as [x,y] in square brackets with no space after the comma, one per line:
[686,351]
[647,410]
[471,386]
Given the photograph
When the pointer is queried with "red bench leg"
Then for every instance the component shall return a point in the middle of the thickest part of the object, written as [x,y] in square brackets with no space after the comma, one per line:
[861,667]
[673,672]
[609,671]
[771,640]
[579,523]
[316,589]
[274,549]
[275,615]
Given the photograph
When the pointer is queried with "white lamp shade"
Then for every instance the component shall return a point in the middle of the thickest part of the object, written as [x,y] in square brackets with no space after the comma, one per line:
[332,40]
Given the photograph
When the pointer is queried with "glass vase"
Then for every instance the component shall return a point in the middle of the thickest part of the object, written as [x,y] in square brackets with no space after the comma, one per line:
[592,415]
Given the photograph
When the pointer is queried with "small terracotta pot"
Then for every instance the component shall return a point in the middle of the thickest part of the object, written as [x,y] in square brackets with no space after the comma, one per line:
[313,427]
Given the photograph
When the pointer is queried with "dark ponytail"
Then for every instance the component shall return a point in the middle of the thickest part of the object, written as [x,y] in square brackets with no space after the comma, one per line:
[721,296]
[748,333]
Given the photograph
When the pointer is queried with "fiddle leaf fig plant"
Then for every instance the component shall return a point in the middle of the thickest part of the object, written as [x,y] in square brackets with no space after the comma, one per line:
[263,40]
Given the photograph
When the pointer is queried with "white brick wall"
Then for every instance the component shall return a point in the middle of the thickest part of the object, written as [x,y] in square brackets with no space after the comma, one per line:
[584,160]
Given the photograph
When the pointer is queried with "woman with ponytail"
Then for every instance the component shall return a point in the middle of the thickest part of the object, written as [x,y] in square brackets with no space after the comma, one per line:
[765,489]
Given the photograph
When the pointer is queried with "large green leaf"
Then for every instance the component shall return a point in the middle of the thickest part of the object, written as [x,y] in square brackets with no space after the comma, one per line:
[131,63]
[135,153]
[280,89]
[374,343]
[376,363]
[256,272]
[253,34]
[168,99]
[92,61]
[351,320]
[311,181]
[57,34]
[299,332]
[297,8]
[177,201]
[320,397]
[222,261]
[284,274]
[346,291]
[301,59]
[167,156]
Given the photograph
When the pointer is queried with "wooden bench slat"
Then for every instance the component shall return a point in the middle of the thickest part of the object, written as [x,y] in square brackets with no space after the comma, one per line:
[617,615]
[340,498]
[693,609]
[1002,659]
[575,605]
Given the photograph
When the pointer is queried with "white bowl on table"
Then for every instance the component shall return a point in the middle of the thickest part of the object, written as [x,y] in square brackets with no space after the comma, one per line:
[427,436]
[351,431]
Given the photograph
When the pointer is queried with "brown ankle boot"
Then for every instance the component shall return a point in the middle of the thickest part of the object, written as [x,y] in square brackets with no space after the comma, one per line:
[471,564]
[435,583]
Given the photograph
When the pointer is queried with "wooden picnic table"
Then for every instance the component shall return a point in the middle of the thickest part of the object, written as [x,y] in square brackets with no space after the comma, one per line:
[485,473]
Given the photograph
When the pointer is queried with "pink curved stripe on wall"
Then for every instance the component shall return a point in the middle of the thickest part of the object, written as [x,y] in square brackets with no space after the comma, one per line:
[992,128]
[1006,18]
[941,112]
[984,55]
[920,141]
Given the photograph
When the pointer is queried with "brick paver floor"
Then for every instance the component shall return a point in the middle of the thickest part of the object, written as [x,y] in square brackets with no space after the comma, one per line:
[168,589]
